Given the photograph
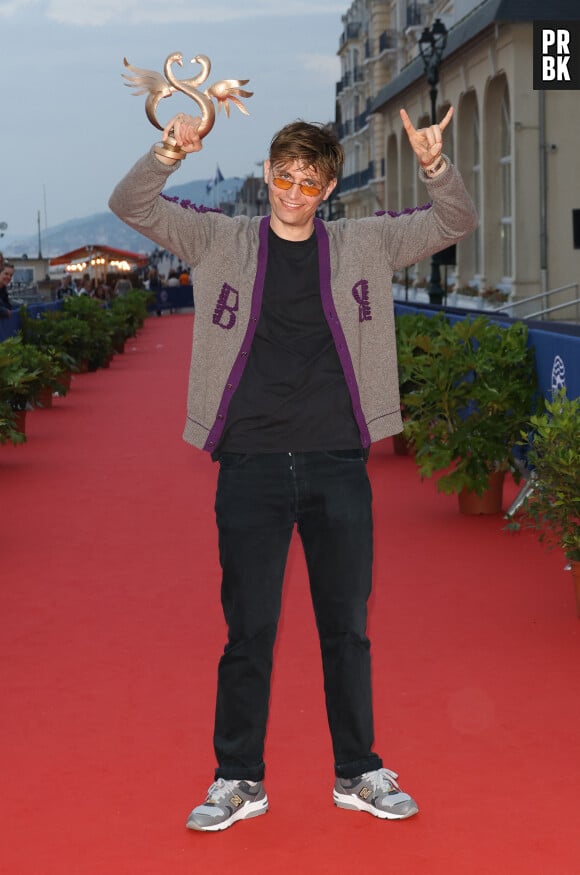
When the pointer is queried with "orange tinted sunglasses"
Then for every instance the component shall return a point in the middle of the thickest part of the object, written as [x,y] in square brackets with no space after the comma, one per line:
[286,185]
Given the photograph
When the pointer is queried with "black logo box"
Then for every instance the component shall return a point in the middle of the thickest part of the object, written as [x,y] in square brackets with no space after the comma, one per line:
[559,41]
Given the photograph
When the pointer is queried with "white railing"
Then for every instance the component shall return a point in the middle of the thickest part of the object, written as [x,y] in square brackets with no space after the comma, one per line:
[546,308]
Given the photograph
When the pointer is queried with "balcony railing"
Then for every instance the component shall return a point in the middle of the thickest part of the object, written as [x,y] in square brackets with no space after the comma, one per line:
[361,120]
[360,179]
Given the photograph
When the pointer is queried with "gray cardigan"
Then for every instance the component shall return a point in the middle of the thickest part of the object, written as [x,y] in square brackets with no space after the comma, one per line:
[357,259]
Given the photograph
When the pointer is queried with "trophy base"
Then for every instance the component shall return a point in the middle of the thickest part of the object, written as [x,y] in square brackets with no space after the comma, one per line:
[170,149]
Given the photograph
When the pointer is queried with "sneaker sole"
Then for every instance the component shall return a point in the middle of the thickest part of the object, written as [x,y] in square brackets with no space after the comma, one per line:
[252,809]
[353,803]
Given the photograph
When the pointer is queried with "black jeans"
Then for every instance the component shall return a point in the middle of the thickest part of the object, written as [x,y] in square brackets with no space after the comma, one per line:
[259,499]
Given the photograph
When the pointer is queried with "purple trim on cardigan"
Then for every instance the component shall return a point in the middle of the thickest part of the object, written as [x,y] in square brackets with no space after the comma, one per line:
[408,211]
[237,370]
[188,205]
[336,329]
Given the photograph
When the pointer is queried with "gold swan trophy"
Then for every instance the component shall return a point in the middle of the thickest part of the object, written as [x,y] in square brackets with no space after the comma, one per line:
[157,87]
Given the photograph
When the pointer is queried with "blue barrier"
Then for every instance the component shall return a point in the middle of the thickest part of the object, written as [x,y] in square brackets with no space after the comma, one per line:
[556,347]
[172,298]
[557,361]
[11,326]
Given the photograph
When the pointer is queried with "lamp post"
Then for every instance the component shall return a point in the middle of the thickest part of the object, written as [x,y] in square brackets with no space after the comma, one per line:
[431,47]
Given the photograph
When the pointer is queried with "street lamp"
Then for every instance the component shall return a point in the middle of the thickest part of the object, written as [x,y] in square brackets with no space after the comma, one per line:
[431,47]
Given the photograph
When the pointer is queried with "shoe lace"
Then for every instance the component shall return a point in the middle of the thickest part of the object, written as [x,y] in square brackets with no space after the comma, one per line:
[220,789]
[383,780]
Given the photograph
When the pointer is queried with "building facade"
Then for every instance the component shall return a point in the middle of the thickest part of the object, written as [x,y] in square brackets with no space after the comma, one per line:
[516,148]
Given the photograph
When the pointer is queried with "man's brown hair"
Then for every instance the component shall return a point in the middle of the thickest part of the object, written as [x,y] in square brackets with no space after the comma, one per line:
[313,145]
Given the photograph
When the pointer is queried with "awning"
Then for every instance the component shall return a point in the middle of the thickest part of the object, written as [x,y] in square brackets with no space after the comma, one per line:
[110,255]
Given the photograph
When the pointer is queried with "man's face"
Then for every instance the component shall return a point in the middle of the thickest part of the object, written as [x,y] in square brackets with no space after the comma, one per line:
[293,210]
[6,275]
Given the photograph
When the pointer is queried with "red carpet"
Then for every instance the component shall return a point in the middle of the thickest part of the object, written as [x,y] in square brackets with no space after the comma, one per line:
[111,631]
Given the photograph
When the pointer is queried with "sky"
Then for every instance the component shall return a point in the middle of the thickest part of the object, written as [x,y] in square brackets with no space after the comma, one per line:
[71,129]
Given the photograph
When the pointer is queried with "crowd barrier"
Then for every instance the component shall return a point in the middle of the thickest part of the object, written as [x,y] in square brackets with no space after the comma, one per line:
[11,326]
[172,298]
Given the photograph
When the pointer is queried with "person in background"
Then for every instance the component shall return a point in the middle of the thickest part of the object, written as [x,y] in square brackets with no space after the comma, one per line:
[102,294]
[87,286]
[154,284]
[293,376]
[67,287]
[153,279]
[122,286]
[6,274]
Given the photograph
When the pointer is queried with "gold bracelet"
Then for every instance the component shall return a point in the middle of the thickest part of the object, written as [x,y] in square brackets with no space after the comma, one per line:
[434,169]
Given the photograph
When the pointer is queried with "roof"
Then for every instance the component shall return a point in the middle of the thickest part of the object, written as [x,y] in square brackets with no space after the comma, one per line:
[98,251]
[480,18]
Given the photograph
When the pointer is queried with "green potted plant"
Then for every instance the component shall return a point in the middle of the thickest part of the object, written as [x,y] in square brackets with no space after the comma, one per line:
[409,328]
[88,311]
[120,328]
[65,336]
[44,367]
[472,387]
[17,385]
[131,310]
[552,505]
[45,334]
[10,428]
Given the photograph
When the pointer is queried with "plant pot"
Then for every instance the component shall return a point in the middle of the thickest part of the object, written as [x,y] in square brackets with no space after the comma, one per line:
[575,568]
[65,381]
[401,445]
[44,397]
[489,502]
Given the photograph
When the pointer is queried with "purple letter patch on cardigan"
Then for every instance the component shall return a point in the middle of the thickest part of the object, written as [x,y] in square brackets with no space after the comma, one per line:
[227,303]
[360,292]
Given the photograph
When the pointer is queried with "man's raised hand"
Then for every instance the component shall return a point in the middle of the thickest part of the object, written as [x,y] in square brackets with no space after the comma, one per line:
[426,143]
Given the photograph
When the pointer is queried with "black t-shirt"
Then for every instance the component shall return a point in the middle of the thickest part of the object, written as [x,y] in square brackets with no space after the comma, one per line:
[292,396]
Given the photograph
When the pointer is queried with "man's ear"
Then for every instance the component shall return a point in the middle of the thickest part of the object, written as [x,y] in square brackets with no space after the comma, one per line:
[266,169]
[329,189]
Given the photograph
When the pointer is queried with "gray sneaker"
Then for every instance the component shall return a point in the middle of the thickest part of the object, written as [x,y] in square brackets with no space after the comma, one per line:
[376,792]
[227,802]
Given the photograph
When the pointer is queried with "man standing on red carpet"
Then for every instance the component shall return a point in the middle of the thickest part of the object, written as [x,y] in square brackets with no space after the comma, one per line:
[293,375]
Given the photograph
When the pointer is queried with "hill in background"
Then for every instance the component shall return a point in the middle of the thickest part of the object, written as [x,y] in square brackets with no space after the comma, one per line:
[107,230]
